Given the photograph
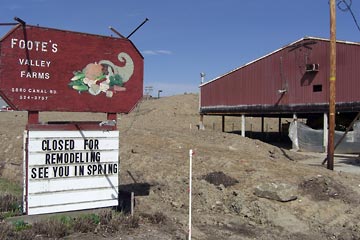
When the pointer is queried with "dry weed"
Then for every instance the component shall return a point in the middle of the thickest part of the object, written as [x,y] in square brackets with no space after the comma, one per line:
[156,218]
[105,217]
[86,223]
[53,228]
[5,230]
[124,221]
[9,202]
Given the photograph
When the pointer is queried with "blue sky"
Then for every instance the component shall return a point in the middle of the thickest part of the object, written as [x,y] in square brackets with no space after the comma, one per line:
[184,38]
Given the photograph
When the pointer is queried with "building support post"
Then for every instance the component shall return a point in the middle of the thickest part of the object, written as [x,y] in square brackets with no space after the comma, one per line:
[326,132]
[262,127]
[295,145]
[201,124]
[243,123]
[280,130]
[223,123]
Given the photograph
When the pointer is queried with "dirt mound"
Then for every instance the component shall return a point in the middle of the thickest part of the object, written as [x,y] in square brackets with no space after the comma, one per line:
[322,188]
[220,178]
[155,140]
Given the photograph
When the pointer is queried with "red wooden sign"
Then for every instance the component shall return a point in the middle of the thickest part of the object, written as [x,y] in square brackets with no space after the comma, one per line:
[44,69]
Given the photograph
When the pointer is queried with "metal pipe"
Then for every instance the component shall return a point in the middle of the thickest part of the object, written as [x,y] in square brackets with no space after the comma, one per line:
[116,32]
[146,19]
[8,24]
[20,20]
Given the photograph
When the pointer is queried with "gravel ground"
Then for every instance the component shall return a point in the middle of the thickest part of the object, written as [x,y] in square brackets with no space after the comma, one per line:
[155,140]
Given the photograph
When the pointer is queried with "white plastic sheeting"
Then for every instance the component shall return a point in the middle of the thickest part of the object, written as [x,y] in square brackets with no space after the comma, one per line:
[307,139]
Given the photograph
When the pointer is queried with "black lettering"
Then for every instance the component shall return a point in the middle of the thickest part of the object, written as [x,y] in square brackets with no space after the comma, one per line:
[89,170]
[81,170]
[66,158]
[59,158]
[47,158]
[113,168]
[95,157]
[72,157]
[100,169]
[63,171]
[86,143]
[69,144]
[45,145]
[91,144]
[60,145]
[43,172]
[96,144]
[79,157]
[33,173]
[94,167]
[54,145]
[55,170]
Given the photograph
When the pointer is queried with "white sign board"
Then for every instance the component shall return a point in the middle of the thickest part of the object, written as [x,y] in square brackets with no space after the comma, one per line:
[71,170]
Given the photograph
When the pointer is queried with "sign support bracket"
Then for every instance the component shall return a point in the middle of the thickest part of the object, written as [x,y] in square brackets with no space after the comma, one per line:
[33,117]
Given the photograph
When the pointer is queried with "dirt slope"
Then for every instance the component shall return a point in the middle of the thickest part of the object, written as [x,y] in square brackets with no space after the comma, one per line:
[154,158]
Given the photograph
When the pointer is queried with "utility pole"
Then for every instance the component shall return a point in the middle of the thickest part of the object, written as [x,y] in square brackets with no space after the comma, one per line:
[330,158]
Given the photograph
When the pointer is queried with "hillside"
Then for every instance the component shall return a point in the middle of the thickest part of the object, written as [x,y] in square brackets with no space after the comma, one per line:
[227,169]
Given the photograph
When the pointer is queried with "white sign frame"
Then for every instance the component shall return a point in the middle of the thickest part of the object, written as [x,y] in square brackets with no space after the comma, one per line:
[70,170]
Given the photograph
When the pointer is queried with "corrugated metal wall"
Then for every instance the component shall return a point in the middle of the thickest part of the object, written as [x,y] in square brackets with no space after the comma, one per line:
[259,82]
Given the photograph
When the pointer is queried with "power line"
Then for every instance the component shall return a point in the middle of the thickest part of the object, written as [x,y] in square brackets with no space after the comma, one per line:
[347,7]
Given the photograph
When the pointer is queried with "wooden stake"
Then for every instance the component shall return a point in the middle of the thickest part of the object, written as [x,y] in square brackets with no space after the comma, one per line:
[132,204]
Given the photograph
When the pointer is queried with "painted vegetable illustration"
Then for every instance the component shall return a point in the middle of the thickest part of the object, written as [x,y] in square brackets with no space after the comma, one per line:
[103,77]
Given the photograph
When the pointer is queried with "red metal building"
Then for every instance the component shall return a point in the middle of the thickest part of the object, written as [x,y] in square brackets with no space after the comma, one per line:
[291,80]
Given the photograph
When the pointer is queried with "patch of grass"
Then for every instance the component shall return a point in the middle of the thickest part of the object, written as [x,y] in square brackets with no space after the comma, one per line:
[61,226]
[10,199]
[20,225]
[9,187]
[67,220]
[9,202]
[10,206]
[94,218]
